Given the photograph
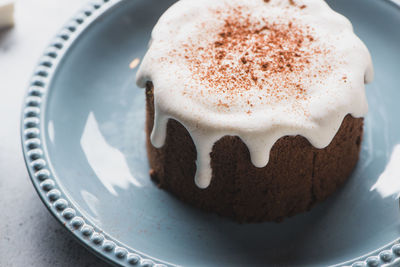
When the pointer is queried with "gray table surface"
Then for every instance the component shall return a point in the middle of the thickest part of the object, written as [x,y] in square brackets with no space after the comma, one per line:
[29,235]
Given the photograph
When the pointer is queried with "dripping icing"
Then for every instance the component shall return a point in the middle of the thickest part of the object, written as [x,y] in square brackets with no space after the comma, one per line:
[313,108]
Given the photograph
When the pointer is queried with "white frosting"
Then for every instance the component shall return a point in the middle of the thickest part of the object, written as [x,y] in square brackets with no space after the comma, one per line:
[309,95]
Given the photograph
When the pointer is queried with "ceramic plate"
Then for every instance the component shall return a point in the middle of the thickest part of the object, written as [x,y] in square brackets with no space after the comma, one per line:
[84,143]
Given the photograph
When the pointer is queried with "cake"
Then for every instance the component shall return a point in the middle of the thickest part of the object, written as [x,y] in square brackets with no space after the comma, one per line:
[254,109]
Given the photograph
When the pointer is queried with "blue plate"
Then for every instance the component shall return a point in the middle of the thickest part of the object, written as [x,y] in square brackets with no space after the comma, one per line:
[84,144]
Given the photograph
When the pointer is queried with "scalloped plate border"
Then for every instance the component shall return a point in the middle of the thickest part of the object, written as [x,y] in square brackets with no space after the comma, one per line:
[42,174]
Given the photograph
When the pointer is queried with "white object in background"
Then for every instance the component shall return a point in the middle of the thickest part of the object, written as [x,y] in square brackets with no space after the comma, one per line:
[6,13]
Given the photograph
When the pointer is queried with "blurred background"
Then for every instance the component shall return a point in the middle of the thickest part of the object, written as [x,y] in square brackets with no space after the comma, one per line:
[29,235]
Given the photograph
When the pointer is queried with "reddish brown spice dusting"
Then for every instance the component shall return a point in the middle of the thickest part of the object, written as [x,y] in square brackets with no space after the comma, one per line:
[293,3]
[249,53]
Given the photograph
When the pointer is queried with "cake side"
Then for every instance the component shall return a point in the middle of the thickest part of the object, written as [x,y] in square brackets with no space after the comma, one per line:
[297,176]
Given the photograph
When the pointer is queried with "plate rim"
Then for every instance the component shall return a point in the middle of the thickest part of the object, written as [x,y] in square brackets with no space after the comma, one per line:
[42,175]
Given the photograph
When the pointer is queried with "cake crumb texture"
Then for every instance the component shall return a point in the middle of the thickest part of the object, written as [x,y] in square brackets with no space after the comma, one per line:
[296,177]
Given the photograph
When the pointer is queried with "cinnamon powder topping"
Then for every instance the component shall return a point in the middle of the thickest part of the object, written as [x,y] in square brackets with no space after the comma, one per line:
[248,53]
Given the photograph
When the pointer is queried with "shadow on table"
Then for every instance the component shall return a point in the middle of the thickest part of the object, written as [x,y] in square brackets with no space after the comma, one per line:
[4,33]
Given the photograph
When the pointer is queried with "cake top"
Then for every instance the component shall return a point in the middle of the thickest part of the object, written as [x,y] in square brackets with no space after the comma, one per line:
[259,69]
[248,59]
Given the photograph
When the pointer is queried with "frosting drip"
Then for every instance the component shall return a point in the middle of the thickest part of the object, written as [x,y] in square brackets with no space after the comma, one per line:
[255,69]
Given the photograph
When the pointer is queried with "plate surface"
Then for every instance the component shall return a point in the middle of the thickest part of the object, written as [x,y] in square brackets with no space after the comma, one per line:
[84,144]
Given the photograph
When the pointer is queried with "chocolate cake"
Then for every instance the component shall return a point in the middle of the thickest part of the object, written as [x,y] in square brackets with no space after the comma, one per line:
[253,109]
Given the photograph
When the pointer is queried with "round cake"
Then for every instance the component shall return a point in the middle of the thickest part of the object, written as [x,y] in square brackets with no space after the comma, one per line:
[254,109]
